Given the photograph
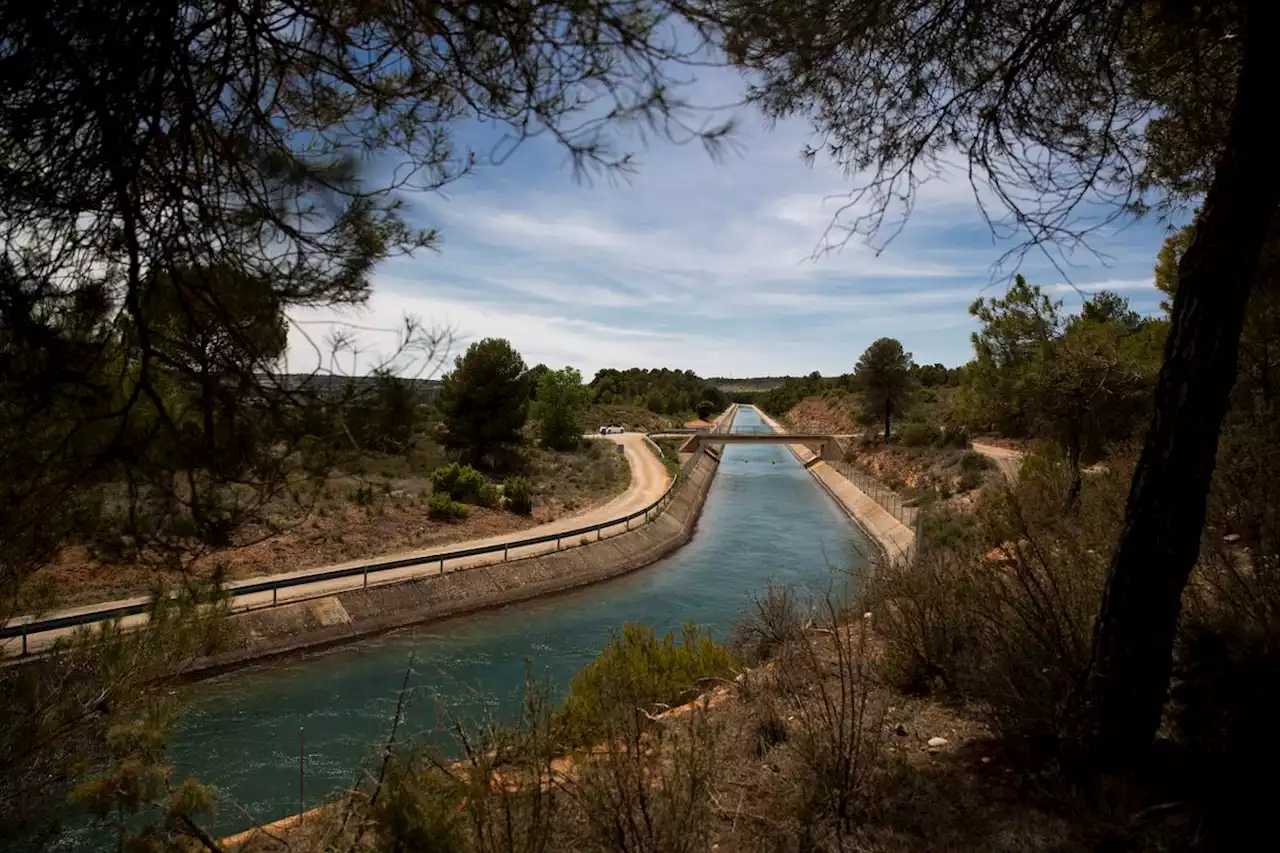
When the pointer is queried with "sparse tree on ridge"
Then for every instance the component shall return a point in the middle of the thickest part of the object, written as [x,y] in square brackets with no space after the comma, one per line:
[1083,380]
[884,380]
[484,402]
[561,396]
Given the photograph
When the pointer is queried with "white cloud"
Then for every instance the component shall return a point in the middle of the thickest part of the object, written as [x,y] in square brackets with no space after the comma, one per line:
[706,266]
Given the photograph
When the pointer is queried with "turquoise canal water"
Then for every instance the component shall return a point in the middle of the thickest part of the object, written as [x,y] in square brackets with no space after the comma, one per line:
[765,520]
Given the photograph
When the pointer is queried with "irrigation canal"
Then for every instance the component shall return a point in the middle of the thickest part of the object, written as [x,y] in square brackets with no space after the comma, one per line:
[765,520]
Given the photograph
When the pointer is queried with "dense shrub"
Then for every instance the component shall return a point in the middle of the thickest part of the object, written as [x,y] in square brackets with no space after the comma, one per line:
[639,670]
[518,495]
[953,436]
[444,508]
[918,434]
[1225,695]
[490,496]
[460,482]
[969,480]
[1000,610]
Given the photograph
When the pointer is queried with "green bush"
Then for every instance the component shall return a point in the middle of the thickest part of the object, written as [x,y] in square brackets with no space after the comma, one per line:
[460,482]
[639,670]
[518,495]
[918,434]
[490,496]
[444,478]
[444,508]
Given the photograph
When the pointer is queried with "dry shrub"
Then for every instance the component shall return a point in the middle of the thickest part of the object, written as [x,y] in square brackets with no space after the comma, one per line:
[826,685]
[774,622]
[1003,613]
[813,711]
[770,729]
[649,789]
[1225,696]
[496,796]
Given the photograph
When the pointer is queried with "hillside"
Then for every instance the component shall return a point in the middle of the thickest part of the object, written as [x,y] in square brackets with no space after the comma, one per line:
[925,466]
[829,413]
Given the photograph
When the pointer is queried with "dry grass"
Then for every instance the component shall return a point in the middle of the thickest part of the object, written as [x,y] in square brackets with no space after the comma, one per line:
[571,481]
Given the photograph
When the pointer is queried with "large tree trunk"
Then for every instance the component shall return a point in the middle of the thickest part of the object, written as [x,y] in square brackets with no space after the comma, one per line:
[1123,695]
[888,418]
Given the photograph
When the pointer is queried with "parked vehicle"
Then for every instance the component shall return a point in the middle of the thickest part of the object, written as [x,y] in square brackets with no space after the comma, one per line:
[611,429]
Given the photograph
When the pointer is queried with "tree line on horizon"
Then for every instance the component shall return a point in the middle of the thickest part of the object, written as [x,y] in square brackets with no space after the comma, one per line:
[1084,380]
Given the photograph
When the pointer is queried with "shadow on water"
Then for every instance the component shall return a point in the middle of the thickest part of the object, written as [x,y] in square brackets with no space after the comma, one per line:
[764,519]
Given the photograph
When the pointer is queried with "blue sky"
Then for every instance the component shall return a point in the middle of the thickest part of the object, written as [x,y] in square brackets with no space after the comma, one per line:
[703,265]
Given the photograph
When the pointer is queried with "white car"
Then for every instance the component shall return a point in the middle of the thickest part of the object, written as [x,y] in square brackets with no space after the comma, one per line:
[611,429]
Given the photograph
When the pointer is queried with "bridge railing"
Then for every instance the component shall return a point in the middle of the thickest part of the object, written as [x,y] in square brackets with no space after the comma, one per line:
[25,628]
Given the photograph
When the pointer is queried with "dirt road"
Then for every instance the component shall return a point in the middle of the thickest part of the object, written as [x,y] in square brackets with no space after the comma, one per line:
[1006,460]
[648,481]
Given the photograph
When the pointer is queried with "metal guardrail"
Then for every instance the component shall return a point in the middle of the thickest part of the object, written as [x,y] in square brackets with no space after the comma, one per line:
[889,500]
[274,585]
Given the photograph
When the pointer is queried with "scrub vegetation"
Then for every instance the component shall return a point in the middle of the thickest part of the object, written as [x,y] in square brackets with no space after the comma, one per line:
[181,178]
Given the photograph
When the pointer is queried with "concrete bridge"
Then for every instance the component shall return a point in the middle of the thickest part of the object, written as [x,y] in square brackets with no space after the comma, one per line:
[828,447]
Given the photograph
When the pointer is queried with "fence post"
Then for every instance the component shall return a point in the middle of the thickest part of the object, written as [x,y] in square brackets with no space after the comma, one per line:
[599,532]
[505,549]
[24,639]
[557,543]
[366,578]
[274,590]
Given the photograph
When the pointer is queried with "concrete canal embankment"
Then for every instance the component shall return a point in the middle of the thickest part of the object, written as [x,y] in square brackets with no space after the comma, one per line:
[895,540]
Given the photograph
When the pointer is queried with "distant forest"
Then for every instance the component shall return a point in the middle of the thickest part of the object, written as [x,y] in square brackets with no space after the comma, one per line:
[663,391]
